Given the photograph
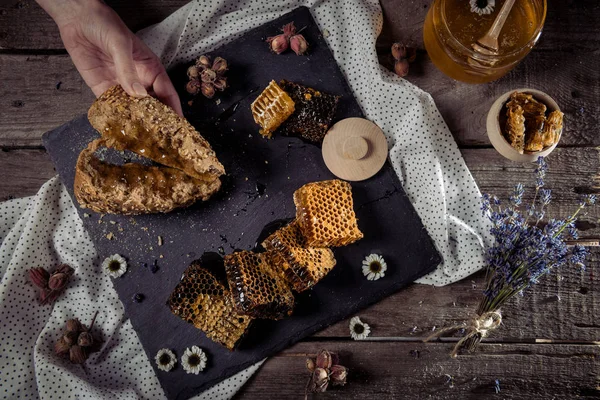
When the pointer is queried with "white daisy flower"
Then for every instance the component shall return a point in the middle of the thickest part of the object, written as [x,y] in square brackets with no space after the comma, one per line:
[165,360]
[482,6]
[115,265]
[193,360]
[358,329]
[374,267]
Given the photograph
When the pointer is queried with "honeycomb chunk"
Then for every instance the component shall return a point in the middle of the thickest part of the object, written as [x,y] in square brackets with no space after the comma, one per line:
[552,128]
[271,108]
[301,267]
[515,128]
[257,289]
[204,302]
[325,214]
[314,112]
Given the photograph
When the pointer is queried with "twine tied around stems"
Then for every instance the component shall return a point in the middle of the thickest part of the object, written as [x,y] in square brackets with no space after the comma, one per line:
[478,326]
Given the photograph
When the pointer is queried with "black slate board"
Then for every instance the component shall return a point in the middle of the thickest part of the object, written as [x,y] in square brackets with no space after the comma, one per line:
[262,176]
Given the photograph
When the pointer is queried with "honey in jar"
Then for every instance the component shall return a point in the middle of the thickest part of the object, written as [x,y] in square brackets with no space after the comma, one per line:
[452,26]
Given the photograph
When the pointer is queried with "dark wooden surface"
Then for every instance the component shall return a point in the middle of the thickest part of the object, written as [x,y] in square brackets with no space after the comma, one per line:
[548,344]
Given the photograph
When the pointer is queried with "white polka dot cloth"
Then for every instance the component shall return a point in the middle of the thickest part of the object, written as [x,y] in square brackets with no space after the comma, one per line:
[45,230]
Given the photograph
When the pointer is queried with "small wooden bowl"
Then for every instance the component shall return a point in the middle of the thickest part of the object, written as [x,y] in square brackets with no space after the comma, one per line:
[494,129]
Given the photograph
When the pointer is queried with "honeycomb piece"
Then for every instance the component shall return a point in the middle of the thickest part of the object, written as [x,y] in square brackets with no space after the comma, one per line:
[552,128]
[301,267]
[325,214]
[258,290]
[314,112]
[204,302]
[515,127]
[533,133]
[271,108]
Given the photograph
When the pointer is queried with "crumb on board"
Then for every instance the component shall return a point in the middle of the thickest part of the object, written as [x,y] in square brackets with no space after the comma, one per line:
[110,236]
[160,256]
[160,241]
[112,222]
[145,228]
[86,215]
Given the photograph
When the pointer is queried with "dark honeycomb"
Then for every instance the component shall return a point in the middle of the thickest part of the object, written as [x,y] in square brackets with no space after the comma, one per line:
[313,114]
[300,266]
[204,302]
[325,214]
[257,289]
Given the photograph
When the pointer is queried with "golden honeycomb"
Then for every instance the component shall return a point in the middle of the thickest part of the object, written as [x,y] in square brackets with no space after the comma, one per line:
[271,108]
[257,289]
[325,214]
[300,266]
[204,302]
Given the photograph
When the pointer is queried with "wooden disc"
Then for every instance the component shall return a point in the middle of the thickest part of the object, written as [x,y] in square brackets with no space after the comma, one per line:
[354,149]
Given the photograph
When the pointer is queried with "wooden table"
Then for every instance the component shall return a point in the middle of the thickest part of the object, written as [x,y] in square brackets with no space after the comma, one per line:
[548,344]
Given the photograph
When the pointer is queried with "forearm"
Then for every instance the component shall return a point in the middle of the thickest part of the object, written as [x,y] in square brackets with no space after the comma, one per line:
[63,11]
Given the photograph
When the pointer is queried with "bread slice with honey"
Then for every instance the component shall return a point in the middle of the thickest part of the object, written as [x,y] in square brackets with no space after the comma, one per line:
[153,130]
[257,289]
[325,214]
[203,301]
[134,188]
[301,267]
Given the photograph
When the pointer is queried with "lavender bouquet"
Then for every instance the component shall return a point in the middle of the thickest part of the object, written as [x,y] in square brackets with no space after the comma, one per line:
[525,249]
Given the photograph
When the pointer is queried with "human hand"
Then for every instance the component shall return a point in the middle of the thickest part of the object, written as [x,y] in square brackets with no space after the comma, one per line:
[106,52]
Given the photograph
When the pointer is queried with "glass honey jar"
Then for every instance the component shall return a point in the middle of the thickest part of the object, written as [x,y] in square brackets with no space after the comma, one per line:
[453,26]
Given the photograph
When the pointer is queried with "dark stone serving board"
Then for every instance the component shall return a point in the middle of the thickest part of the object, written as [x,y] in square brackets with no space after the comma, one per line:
[261,178]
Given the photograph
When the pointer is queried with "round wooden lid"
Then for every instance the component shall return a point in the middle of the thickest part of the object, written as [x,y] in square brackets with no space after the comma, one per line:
[355,149]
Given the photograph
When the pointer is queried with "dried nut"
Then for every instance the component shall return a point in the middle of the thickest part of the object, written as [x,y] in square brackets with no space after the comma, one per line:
[193,72]
[71,338]
[39,277]
[401,67]
[61,347]
[77,355]
[193,86]
[310,364]
[219,66]
[208,76]
[64,269]
[398,51]
[320,380]
[85,339]
[73,325]
[323,359]
[338,375]
[278,43]
[208,90]
[203,62]
[58,281]
[220,84]
[298,44]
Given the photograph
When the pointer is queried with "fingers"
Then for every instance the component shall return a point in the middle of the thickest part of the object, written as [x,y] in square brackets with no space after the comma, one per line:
[122,53]
[165,92]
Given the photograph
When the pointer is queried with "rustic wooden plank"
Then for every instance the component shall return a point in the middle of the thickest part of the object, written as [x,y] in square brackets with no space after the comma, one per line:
[418,371]
[23,172]
[25,26]
[564,310]
[30,103]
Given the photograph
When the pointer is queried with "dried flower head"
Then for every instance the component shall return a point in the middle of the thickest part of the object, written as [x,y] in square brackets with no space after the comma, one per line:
[165,360]
[358,329]
[325,369]
[280,43]
[51,285]
[402,55]
[374,267]
[298,44]
[194,360]
[115,266]
[207,76]
[39,277]
[77,341]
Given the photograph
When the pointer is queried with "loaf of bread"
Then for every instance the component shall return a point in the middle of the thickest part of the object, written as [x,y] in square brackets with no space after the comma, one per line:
[189,169]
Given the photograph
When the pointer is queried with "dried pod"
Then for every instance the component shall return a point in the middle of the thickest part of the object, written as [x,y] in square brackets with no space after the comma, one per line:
[208,90]
[64,269]
[278,43]
[39,277]
[219,65]
[398,51]
[310,364]
[338,374]
[203,62]
[401,67]
[58,281]
[208,76]
[61,347]
[71,337]
[193,86]
[320,380]
[193,72]
[220,84]
[85,339]
[324,359]
[289,29]
[73,325]
[77,354]
[298,44]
